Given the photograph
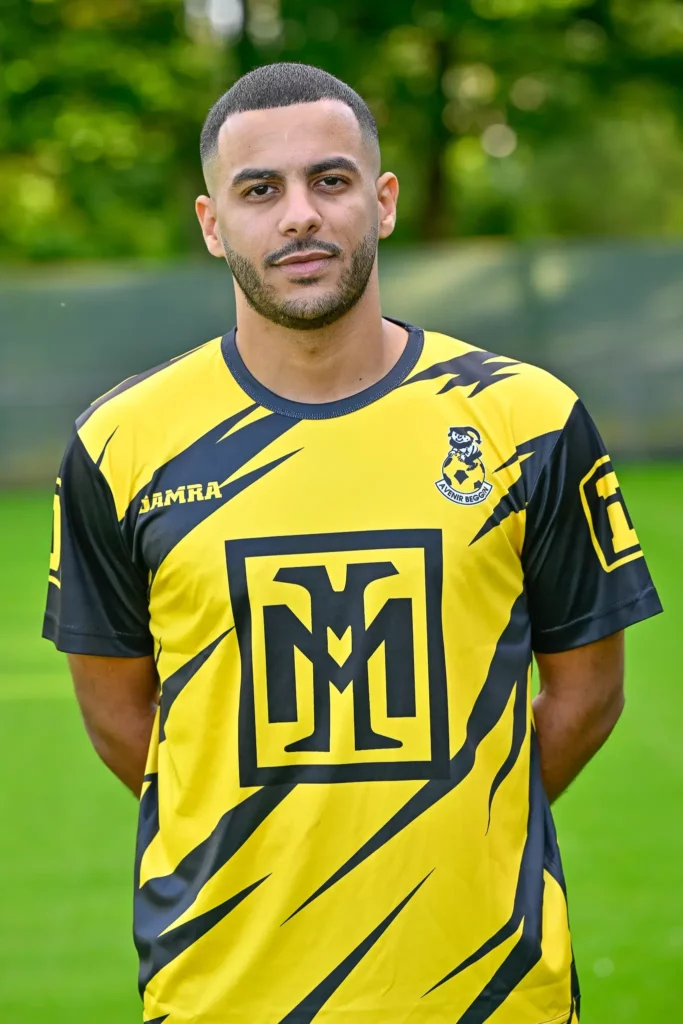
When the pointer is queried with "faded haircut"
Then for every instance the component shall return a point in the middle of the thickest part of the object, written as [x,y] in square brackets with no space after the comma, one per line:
[282,85]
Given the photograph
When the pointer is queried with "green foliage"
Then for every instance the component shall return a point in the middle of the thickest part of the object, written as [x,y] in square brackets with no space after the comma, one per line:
[100,102]
[501,117]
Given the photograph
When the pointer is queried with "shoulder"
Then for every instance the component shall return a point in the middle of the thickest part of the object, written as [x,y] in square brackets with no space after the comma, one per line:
[145,421]
[155,385]
[529,398]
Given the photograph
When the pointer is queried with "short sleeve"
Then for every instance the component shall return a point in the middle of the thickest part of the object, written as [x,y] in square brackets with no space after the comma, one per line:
[585,574]
[97,596]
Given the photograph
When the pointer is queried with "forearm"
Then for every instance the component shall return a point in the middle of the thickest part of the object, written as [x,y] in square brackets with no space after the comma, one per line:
[123,745]
[569,735]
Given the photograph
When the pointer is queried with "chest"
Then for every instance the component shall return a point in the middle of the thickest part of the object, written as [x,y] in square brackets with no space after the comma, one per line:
[335,518]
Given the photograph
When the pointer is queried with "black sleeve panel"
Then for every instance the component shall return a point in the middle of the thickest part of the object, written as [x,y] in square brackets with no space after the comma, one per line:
[97,597]
[585,573]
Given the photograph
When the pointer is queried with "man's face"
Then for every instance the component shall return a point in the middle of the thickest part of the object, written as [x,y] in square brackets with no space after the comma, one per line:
[297,209]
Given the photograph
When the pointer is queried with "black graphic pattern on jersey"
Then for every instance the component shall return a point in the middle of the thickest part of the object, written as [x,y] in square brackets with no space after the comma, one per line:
[477,367]
[161,900]
[532,455]
[509,665]
[528,907]
[176,683]
[100,457]
[576,994]
[148,825]
[213,456]
[519,726]
[311,1005]
[157,953]
[157,1020]
[148,820]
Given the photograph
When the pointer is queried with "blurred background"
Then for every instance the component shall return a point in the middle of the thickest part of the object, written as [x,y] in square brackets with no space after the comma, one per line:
[539,146]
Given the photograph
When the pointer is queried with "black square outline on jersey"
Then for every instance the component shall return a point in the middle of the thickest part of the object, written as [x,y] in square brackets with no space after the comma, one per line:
[430,541]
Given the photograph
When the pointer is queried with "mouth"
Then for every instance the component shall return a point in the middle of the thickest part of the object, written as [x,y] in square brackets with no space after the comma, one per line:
[305,264]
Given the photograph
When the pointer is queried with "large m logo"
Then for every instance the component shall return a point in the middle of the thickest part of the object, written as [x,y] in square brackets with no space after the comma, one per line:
[340,640]
[340,611]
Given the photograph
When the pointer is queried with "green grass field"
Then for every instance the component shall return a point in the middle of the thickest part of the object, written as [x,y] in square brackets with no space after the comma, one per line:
[67,827]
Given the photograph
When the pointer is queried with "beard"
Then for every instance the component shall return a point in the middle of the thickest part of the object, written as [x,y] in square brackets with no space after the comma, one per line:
[305,314]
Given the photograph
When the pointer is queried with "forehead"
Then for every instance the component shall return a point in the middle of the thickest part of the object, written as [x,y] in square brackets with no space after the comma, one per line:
[290,137]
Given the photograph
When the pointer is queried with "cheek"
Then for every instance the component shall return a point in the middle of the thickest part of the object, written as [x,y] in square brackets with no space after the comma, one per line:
[243,230]
[353,222]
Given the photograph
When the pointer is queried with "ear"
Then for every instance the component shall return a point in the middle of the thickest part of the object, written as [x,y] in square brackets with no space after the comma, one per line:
[206,214]
[387,197]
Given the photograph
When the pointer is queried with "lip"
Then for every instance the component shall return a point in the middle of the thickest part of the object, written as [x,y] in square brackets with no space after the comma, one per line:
[304,257]
[301,264]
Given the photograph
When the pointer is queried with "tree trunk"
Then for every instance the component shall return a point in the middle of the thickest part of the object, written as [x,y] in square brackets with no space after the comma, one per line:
[437,208]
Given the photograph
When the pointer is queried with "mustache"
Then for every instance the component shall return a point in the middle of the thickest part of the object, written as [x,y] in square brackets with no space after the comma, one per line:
[301,245]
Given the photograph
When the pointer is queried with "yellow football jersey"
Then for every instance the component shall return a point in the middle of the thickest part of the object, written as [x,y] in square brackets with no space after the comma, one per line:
[343,819]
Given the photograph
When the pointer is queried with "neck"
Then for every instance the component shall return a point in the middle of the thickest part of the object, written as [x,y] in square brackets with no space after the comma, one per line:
[323,365]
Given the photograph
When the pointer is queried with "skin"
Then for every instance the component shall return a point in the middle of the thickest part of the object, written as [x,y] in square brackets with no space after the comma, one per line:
[580,700]
[117,698]
[325,339]
[259,216]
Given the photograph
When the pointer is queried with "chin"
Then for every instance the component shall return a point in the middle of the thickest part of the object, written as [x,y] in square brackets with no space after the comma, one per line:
[310,294]
[309,282]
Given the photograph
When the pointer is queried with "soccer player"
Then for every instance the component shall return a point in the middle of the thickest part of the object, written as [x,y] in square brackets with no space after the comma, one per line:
[299,573]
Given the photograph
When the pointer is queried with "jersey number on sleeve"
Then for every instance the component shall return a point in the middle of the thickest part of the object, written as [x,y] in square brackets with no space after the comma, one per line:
[56,553]
[614,539]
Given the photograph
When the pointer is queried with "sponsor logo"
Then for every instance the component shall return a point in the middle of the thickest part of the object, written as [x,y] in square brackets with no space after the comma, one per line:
[182,495]
[463,476]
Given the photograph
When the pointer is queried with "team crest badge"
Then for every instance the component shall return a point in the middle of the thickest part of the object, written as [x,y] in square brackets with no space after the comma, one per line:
[463,477]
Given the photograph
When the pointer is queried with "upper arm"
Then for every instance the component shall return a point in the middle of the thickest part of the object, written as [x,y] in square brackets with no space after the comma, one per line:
[589,675]
[585,575]
[118,701]
[104,685]
[97,598]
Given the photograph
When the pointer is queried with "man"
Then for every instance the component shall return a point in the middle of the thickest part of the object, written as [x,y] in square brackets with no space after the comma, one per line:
[330,541]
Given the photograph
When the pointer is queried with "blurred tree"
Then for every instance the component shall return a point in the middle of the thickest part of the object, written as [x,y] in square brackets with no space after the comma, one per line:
[512,117]
[501,117]
[100,102]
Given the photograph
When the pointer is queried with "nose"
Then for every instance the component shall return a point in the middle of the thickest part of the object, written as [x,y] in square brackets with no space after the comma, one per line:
[300,216]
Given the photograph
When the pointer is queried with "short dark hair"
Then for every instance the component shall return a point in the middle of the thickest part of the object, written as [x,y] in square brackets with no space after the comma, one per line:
[282,85]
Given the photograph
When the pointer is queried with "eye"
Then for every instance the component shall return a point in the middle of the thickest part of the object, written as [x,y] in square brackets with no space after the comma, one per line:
[259,191]
[332,181]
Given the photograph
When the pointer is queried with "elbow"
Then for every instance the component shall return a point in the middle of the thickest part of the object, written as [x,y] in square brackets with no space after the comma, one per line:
[108,734]
[619,704]
[609,713]
[101,739]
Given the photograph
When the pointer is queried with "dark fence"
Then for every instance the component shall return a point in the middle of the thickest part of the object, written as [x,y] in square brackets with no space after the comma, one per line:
[606,318]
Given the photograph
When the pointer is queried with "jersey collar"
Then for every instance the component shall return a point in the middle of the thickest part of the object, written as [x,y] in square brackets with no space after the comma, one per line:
[324,410]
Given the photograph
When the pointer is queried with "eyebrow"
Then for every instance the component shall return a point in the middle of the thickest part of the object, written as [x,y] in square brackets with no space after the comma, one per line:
[332,163]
